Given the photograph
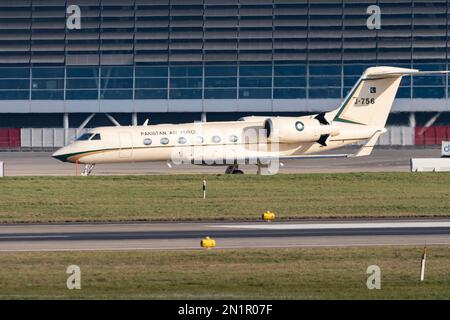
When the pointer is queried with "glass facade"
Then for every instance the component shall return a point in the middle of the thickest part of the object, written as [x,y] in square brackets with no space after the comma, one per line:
[216,49]
[293,80]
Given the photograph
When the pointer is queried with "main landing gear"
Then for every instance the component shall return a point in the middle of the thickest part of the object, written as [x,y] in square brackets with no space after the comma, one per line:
[234,169]
[88,169]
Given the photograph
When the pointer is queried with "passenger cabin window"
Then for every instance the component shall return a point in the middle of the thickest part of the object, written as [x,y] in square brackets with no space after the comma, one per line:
[199,139]
[147,141]
[181,140]
[233,138]
[85,137]
[164,141]
[96,137]
[215,139]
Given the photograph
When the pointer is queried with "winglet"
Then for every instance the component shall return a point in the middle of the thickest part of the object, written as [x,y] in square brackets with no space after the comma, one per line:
[366,149]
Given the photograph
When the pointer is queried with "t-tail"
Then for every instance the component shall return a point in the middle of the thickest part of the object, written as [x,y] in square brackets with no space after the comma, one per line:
[371,98]
[370,101]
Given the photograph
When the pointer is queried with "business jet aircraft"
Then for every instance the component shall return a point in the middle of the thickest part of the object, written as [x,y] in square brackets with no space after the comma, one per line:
[262,141]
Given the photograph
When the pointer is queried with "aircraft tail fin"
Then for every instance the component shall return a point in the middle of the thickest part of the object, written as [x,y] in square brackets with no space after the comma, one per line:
[370,100]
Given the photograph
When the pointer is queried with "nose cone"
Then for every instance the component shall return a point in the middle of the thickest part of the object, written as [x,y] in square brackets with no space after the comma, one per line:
[61,154]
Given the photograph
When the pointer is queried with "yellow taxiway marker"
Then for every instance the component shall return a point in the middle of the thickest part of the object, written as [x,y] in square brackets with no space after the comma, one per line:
[268,216]
[208,243]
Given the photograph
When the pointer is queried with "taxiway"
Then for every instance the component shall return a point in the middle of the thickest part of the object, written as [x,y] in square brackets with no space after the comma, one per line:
[382,159]
[187,235]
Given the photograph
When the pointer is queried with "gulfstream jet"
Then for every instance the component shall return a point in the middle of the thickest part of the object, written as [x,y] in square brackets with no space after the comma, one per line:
[263,141]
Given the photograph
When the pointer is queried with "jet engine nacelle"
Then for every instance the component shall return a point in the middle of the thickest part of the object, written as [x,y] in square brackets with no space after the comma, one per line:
[295,129]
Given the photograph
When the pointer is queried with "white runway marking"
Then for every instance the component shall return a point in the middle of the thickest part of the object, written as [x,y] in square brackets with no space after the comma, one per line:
[31,237]
[318,226]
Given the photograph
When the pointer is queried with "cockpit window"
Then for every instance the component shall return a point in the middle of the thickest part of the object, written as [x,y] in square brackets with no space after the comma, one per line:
[96,137]
[85,136]
[89,136]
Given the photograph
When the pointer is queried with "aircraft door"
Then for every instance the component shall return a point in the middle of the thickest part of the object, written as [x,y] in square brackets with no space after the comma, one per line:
[126,145]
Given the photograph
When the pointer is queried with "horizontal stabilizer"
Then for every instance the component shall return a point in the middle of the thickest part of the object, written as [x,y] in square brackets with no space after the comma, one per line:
[399,73]
[366,149]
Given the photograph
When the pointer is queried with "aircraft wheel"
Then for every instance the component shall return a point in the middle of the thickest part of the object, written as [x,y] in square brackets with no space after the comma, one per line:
[238,172]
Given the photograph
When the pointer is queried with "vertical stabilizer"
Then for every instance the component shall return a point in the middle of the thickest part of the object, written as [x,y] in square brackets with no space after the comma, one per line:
[370,100]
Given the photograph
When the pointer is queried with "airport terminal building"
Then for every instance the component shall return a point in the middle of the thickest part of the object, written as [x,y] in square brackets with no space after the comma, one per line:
[185,60]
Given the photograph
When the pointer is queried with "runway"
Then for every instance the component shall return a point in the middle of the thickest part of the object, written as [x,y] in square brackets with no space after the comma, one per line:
[382,159]
[166,236]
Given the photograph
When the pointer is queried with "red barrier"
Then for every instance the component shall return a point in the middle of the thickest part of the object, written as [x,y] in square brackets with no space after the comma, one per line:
[9,138]
[431,135]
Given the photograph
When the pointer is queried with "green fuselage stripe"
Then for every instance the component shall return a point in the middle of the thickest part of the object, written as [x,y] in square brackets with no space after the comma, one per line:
[65,157]
[337,118]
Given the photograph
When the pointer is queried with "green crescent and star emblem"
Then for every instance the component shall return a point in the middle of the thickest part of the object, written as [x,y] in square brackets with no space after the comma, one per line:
[299,126]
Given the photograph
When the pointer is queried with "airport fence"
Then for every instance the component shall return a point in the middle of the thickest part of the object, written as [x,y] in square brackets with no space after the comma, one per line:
[46,138]
[397,136]
[10,138]
[52,138]
[432,135]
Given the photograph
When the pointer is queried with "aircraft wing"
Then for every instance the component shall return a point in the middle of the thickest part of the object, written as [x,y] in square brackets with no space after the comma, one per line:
[309,156]
[365,150]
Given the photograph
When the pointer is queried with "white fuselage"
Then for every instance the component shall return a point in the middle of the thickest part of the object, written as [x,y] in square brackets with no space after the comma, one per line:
[210,143]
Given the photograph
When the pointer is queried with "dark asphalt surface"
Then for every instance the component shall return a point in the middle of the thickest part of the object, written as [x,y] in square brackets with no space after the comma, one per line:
[187,235]
[176,234]
[381,159]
